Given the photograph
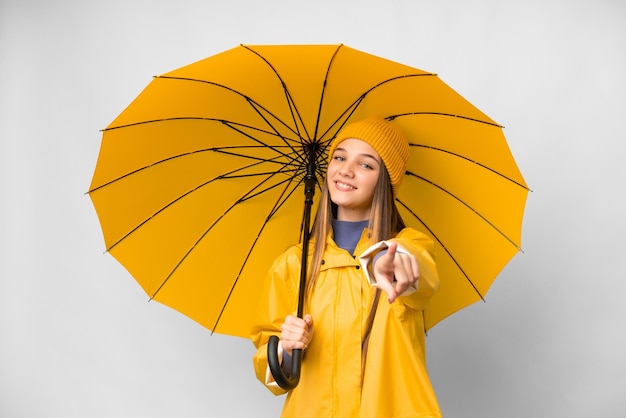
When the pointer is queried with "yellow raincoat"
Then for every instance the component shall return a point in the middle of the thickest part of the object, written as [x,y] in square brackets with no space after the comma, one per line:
[395,382]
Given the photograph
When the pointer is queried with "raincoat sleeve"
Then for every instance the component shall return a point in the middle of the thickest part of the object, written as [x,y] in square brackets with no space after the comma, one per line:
[277,300]
[421,246]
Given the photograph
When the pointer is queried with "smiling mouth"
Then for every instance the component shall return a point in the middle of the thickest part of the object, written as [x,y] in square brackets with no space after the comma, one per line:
[344,186]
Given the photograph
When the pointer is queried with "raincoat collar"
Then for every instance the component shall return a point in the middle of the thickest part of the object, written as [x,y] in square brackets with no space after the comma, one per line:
[338,257]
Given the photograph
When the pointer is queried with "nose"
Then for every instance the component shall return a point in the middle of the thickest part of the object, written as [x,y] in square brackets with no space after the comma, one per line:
[346,170]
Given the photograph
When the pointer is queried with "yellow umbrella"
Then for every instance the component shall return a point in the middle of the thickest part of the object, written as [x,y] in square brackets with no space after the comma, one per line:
[199,181]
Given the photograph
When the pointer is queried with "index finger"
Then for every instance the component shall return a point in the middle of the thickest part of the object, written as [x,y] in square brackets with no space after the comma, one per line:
[391,250]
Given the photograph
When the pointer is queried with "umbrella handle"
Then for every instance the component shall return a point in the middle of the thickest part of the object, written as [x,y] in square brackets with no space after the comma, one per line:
[284,381]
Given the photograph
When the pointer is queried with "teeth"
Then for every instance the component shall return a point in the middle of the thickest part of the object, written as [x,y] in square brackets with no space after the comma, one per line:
[343,186]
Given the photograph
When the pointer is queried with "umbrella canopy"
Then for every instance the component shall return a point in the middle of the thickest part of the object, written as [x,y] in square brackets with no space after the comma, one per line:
[199,183]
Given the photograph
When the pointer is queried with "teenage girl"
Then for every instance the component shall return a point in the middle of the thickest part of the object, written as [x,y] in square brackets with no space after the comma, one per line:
[364,355]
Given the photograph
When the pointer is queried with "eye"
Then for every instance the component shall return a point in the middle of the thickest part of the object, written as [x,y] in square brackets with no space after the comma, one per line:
[338,157]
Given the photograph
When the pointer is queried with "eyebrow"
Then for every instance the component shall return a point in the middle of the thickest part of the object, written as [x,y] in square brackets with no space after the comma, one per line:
[362,155]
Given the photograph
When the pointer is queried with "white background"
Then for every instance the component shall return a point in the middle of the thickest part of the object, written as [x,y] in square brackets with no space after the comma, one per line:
[77,335]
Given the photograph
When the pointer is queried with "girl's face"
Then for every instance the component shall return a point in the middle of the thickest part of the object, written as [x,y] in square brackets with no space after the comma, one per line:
[352,176]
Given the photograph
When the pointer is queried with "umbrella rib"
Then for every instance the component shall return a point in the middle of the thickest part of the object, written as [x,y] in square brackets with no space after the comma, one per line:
[354,105]
[220,149]
[261,191]
[286,141]
[296,117]
[190,250]
[224,121]
[352,108]
[232,90]
[280,201]
[230,124]
[349,111]
[454,260]
[187,193]
[223,150]
[481,216]
[445,114]
[323,93]
[474,162]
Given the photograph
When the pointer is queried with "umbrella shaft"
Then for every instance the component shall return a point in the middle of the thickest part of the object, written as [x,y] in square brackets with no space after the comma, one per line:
[310,181]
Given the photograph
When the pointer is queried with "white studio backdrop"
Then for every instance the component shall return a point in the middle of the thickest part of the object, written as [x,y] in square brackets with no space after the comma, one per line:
[77,335]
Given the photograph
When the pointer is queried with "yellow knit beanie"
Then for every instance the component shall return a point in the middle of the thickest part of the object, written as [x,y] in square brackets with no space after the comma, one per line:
[386,138]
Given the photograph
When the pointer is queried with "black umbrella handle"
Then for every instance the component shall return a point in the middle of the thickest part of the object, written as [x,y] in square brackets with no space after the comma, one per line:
[291,381]
[284,381]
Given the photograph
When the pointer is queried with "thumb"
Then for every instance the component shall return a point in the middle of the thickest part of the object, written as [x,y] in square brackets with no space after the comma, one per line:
[308,319]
